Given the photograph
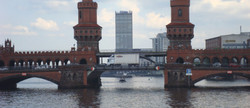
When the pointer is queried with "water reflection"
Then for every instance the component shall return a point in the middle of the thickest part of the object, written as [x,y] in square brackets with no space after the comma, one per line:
[89,98]
[135,93]
[178,97]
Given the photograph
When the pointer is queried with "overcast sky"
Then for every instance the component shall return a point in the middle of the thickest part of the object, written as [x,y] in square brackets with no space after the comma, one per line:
[47,24]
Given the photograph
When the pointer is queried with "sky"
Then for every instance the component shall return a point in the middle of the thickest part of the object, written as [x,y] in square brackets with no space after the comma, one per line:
[35,25]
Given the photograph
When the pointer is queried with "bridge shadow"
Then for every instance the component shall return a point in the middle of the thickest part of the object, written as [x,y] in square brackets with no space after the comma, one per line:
[10,82]
[178,97]
[226,75]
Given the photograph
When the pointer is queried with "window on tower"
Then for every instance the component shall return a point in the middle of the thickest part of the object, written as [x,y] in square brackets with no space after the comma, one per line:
[180,12]
[80,14]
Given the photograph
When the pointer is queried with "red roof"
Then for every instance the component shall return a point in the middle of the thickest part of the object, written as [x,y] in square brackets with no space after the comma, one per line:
[87,25]
[180,24]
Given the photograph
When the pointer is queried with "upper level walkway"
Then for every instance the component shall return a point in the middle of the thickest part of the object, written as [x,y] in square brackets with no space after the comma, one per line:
[145,53]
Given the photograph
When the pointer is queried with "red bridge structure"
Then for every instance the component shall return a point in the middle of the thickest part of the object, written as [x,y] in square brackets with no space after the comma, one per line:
[202,63]
[63,69]
[71,69]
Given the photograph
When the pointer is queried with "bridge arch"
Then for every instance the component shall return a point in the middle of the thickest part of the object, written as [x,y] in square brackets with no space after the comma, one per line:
[66,61]
[2,63]
[216,60]
[243,61]
[206,61]
[58,62]
[31,63]
[14,79]
[235,60]
[197,61]
[220,74]
[12,63]
[225,61]
[83,61]
[39,62]
[21,63]
[179,60]
[49,62]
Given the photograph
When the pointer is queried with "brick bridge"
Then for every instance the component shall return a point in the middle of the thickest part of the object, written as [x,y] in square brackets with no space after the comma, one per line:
[175,74]
[73,76]
[70,69]
[205,63]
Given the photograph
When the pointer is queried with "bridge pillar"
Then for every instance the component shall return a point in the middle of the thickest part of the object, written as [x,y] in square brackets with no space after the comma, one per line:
[175,76]
[73,77]
[8,86]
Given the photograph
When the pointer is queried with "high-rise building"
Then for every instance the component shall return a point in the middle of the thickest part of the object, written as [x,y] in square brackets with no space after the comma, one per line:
[124,31]
[160,44]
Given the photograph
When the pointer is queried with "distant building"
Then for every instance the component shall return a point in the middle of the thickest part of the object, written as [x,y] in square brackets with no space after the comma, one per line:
[232,41]
[160,44]
[124,31]
[248,43]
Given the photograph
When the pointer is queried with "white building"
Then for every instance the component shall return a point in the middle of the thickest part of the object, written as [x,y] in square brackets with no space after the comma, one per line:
[124,30]
[231,41]
[160,44]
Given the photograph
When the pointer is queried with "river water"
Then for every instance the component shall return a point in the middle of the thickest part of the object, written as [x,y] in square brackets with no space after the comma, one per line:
[136,92]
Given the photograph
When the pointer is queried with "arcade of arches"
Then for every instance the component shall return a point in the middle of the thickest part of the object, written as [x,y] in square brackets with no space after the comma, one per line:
[225,61]
[39,62]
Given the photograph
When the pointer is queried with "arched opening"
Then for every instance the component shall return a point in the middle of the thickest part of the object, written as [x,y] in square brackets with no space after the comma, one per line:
[179,60]
[1,63]
[83,61]
[216,60]
[39,62]
[30,63]
[37,82]
[243,61]
[235,60]
[206,61]
[225,62]
[48,62]
[12,63]
[21,63]
[57,62]
[67,61]
[197,61]
[223,80]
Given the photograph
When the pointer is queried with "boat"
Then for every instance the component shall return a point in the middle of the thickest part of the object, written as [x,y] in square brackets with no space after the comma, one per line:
[122,79]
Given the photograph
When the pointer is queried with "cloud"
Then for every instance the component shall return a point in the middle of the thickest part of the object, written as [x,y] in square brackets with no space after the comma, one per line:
[58,3]
[45,24]
[107,16]
[133,6]
[130,5]
[156,20]
[70,23]
[16,30]
[56,35]
[224,7]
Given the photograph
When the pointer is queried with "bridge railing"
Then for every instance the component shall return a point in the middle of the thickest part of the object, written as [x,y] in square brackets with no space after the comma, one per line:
[208,66]
[129,51]
[106,67]
[28,69]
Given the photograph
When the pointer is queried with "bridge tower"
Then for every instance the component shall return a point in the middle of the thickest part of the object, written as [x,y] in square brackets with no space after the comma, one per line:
[180,30]
[87,32]
[180,34]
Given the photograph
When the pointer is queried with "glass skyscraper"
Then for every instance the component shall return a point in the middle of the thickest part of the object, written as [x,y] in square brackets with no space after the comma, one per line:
[124,31]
